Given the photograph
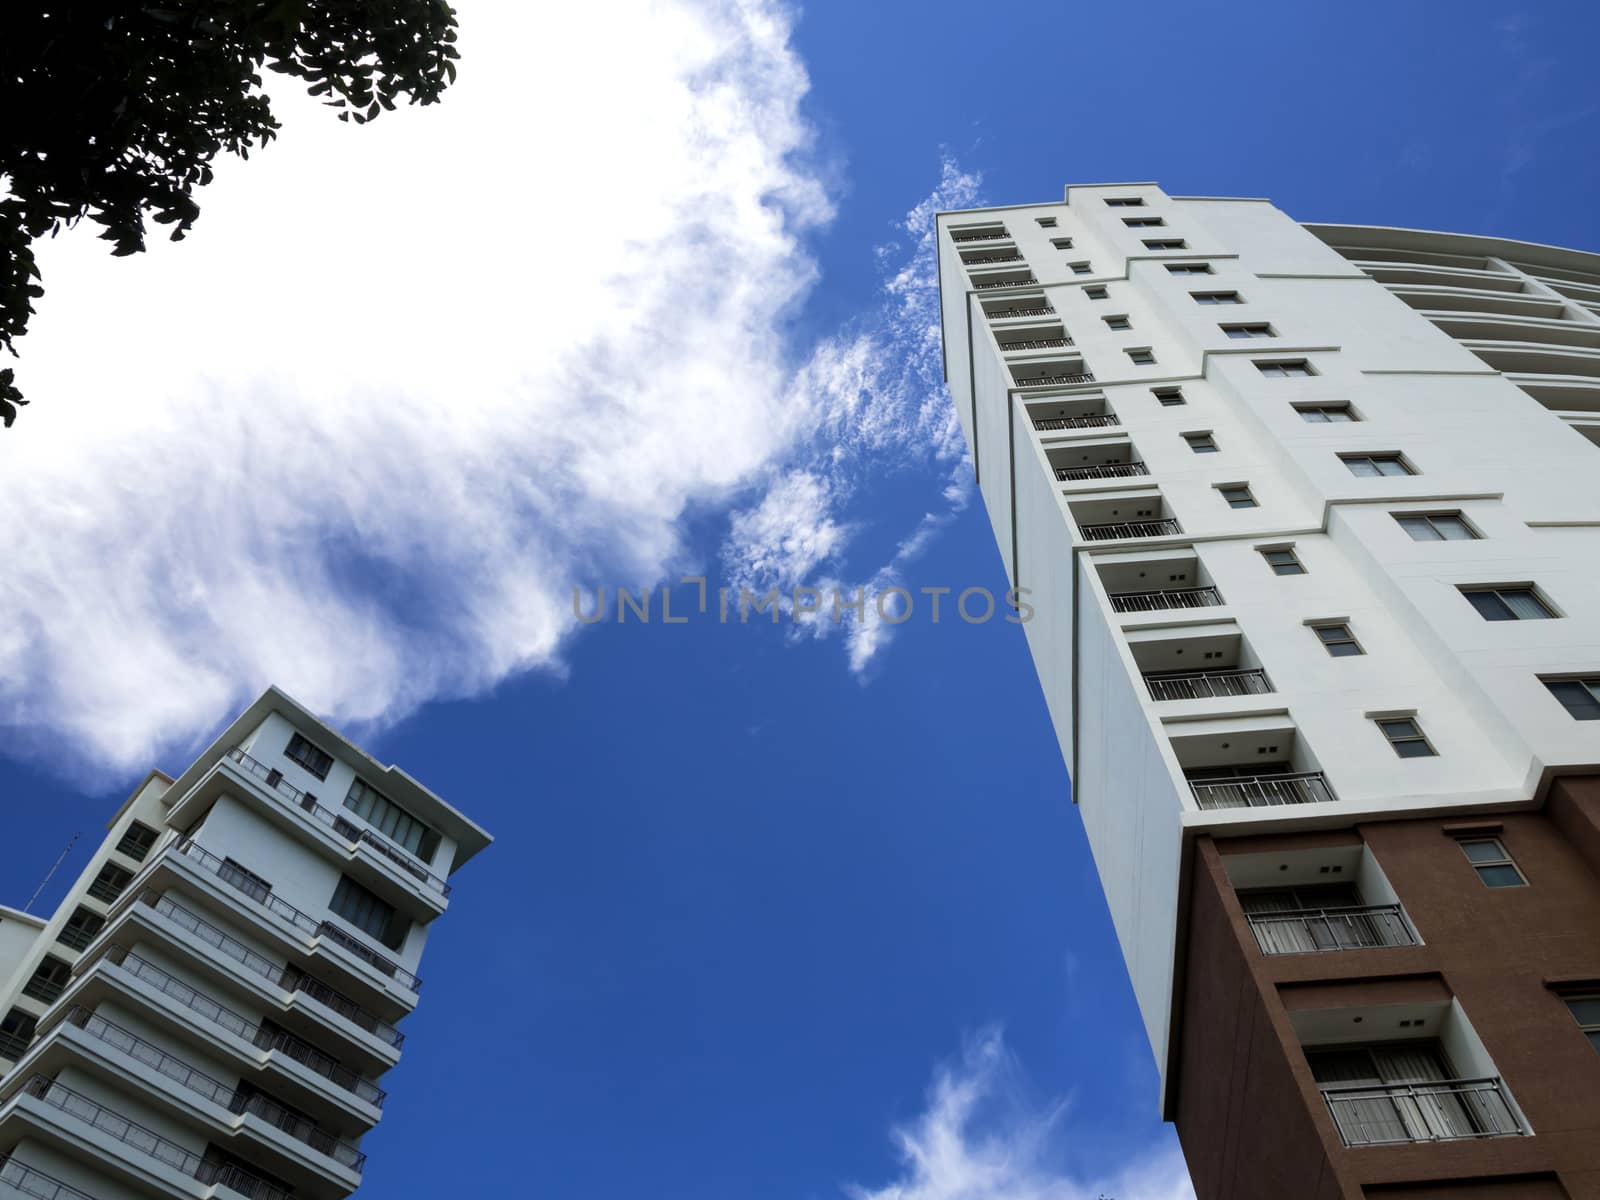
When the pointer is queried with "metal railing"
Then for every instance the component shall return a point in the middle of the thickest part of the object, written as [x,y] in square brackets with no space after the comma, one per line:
[332,998]
[1037,344]
[979,260]
[1055,380]
[1209,685]
[288,1044]
[1262,791]
[987,236]
[1003,314]
[25,1180]
[328,931]
[1101,471]
[307,802]
[299,1128]
[1445,1111]
[1195,597]
[1350,927]
[1004,283]
[1130,529]
[147,1141]
[1091,421]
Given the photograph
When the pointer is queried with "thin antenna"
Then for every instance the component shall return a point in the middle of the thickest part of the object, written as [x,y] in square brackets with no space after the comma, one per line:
[46,881]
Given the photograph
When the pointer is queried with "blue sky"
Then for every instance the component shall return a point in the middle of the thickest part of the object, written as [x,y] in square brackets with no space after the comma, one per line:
[772,913]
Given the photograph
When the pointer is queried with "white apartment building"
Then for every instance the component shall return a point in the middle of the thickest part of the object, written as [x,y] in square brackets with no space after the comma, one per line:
[211,1009]
[1309,516]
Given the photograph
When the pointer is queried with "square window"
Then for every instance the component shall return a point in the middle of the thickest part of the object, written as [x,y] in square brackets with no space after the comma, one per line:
[1580,697]
[1142,358]
[1406,736]
[1165,244]
[1169,397]
[136,842]
[1201,443]
[1238,495]
[1217,297]
[1080,268]
[1096,293]
[1283,562]
[1188,268]
[1512,602]
[1436,527]
[1046,222]
[1326,414]
[313,758]
[1337,639]
[1255,330]
[1118,323]
[1370,466]
[1124,202]
[1292,368]
[1142,222]
[1490,860]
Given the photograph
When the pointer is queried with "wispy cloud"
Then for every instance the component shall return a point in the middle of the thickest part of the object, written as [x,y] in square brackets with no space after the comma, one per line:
[979,1138]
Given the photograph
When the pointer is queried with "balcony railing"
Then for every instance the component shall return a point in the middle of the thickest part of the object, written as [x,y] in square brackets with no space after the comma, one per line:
[1130,529]
[25,1181]
[1262,791]
[979,260]
[985,236]
[1208,685]
[1037,344]
[1101,471]
[1056,380]
[243,1027]
[1003,283]
[1446,1111]
[233,1099]
[1005,314]
[345,828]
[146,1141]
[1091,421]
[1195,597]
[326,930]
[1351,927]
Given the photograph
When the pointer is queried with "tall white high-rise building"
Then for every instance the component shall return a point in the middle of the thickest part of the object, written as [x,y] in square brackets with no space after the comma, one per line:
[1309,518]
[212,1008]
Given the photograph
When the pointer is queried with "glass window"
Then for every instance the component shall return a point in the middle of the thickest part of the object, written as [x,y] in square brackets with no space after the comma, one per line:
[136,842]
[1256,330]
[1285,370]
[1047,222]
[1124,202]
[1165,244]
[1586,1011]
[367,912]
[1061,243]
[1141,358]
[1142,222]
[1238,495]
[1326,414]
[389,819]
[1283,562]
[1405,735]
[1189,268]
[1580,697]
[1201,443]
[1490,860]
[1370,466]
[1436,527]
[1080,268]
[309,756]
[1217,297]
[1338,640]
[1169,397]
[1118,323]
[1096,293]
[1507,603]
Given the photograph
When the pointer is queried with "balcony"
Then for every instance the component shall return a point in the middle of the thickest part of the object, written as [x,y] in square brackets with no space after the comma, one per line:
[1347,927]
[1443,1111]
[346,829]
[1089,421]
[1059,379]
[1019,308]
[1165,601]
[25,1181]
[1101,471]
[1110,531]
[1207,685]
[148,1142]
[1262,791]
[981,260]
[980,235]
[1023,280]
[1046,343]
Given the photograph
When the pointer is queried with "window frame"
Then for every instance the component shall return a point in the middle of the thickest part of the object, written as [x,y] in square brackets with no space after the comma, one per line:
[1190,268]
[1305,410]
[1145,222]
[1202,441]
[1590,1029]
[1285,368]
[1046,222]
[1589,683]
[1267,552]
[1118,323]
[1216,298]
[1346,638]
[1396,740]
[1157,245]
[1141,356]
[1124,201]
[1377,459]
[1531,591]
[1246,331]
[1234,493]
[310,756]
[1169,396]
[1473,535]
[1502,863]
[1081,267]
[1097,291]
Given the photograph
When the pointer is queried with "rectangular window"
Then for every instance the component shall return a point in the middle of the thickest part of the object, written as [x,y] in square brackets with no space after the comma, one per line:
[1142,222]
[1508,602]
[1124,202]
[1326,414]
[137,841]
[1169,397]
[1061,243]
[1201,443]
[49,980]
[1118,323]
[1283,562]
[1238,495]
[389,819]
[1580,697]
[1165,244]
[309,756]
[1337,639]
[1046,222]
[1436,527]
[1142,358]
[1370,466]
[1096,293]
[369,913]
[1080,268]
[1188,268]
[16,1031]
[1217,297]
[110,883]
[1255,329]
[1405,735]
[1288,369]
[1586,1011]
[1489,859]
[80,928]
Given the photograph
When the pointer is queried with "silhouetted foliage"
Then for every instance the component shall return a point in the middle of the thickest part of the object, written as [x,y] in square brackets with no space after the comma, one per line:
[114,109]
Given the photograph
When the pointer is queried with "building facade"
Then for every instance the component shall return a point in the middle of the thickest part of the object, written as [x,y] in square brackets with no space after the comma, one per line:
[211,1009]
[1309,518]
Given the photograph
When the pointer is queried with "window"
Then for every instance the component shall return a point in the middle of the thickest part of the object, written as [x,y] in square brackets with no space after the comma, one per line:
[1283,562]
[1370,466]
[1508,602]
[247,881]
[1080,268]
[1201,443]
[1096,293]
[1118,323]
[1490,860]
[369,913]
[80,928]
[1142,222]
[1405,735]
[1436,527]
[1580,697]
[309,756]
[1142,358]
[1337,639]
[1189,268]
[389,819]
[137,841]
[1061,243]
[1165,244]
[16,1031]
[1124,202]
[49,979]
[109,884]
[1326,414]
[1046,222]
[1255,330]
[1217,297]
[1169,397]
[1586,1011]
[1297,367]
[1237,495]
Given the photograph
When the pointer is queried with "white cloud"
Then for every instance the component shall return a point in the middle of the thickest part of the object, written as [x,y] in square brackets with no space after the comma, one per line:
[979,1139]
